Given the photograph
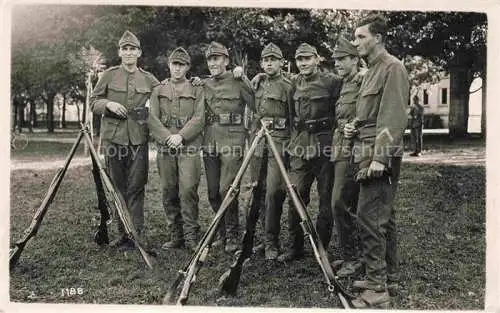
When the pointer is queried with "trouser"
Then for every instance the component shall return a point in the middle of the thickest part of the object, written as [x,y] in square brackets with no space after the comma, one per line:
[128,167]
[416,139]
[344,202]
[377,223]
[265,171]
[302,174]
[180,177]
[220,171]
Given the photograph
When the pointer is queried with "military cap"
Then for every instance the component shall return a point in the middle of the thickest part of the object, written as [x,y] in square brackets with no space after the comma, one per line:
[129,39]
[344,47]
[305,50]
[180,55]
[215,48]
[271,49]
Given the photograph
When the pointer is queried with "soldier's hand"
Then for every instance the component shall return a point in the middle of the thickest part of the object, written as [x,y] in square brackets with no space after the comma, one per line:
[349,130]
[376,169]
[174,141]
[117,109]
[238,72]
[196,81]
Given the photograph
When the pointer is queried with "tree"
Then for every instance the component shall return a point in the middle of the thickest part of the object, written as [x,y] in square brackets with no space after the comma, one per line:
[456,41]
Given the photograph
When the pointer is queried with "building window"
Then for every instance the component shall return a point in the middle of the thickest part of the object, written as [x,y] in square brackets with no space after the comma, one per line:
[426,97]
[444,95]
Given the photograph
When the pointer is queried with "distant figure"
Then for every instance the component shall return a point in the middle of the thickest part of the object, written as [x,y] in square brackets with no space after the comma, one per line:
[416,124]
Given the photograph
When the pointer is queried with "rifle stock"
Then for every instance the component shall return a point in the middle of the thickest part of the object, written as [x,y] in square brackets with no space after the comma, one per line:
[101,236]
[230,280]
[198,258]
[32,230]
[120,204]
[309,230]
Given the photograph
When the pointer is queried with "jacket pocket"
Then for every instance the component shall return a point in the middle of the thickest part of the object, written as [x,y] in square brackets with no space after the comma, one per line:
[143,90]
[117,87]
[109,127]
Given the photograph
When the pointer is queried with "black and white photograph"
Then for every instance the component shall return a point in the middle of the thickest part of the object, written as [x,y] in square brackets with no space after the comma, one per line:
[209,155]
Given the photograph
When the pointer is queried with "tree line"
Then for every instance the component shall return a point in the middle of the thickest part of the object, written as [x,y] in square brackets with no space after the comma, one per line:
[55,47]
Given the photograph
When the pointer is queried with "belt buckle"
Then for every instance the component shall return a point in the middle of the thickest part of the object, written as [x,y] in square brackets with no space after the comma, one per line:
[268,122]
[225,119]
[310,125]
[279,123]
[235,119]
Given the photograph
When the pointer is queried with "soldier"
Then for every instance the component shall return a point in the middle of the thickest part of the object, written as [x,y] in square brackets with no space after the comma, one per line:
[120,96]
[381,110]
[224,140]
[273,100]
[416,126]
[345,189]
[310,145]
[176,121]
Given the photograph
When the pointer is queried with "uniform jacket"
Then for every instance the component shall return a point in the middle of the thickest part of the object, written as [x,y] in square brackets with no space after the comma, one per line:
[314,98]
[416,116]
[381,107]
[345,112]
[177,111]
[132,90]
[225,94]
[273,99]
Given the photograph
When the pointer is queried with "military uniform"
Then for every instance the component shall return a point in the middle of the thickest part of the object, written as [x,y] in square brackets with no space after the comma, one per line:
[381,109]
[345,189]
[125,140]
[416,127]
[310,147]
[224,138]
[273,100]
[178,108]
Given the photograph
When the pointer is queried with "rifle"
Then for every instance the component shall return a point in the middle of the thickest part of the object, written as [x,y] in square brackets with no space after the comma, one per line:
[118,201]
[105,192]
[197,259]
[32,230]
[101,236]
[229,281]
[309,230]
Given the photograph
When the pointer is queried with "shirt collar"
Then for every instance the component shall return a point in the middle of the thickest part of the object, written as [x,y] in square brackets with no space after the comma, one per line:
[224,75]
[126,71]
[377,58]
[312,77]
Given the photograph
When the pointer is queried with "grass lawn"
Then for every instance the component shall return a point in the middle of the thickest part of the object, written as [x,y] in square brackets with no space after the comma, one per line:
[440,211]
[41,150]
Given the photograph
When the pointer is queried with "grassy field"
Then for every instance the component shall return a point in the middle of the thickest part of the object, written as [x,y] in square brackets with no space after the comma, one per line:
[440,211]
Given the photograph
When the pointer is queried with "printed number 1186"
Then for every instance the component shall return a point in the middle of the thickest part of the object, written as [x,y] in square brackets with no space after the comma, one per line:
[68,292]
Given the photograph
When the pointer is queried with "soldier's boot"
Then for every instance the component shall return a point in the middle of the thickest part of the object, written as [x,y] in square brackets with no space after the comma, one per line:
[175,243]
[393,285]
[258,248]
[232,245]
[291,255]
[295,250]
[191,241]
[176,239]
[337,264]
[372,299]
[366,284]
[118,241]
[350,268]
[220,239]
[124,243]
[271,252]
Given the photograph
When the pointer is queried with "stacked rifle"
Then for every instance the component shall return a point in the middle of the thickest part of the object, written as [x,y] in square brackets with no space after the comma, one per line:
[229,281]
